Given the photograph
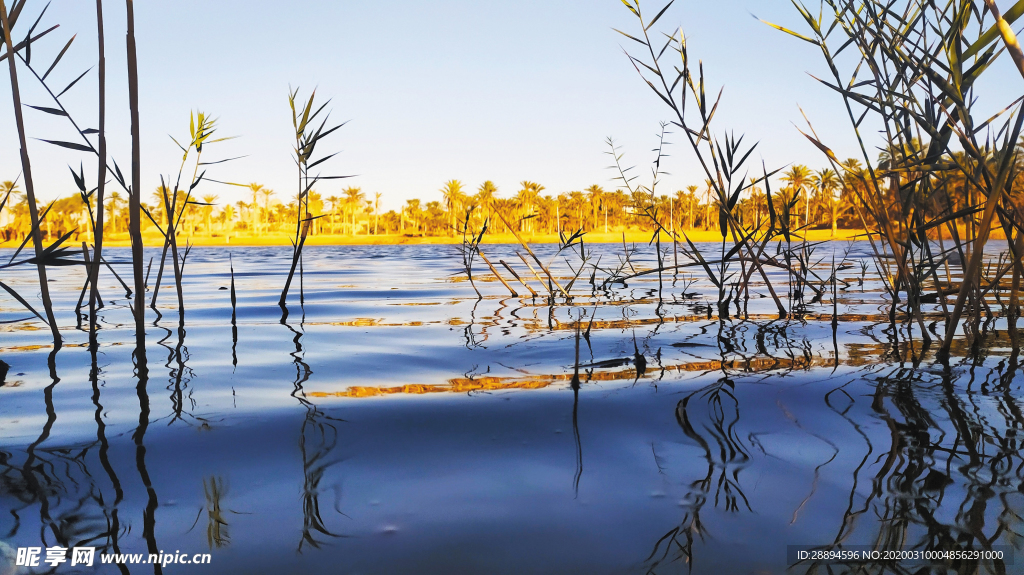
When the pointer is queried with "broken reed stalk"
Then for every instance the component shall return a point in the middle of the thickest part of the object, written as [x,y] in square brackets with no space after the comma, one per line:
[37,237]
[101,177]
[495,272]
[160,268]
[234,316]
[533,271]
[234,298]
[135,196]
[127,290]
[543,268]
[515,275]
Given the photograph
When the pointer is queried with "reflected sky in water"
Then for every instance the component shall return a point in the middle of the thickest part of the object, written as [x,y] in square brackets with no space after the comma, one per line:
[395,423]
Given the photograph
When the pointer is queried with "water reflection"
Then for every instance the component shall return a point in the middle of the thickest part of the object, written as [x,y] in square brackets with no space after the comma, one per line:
[363,434]
[317,440]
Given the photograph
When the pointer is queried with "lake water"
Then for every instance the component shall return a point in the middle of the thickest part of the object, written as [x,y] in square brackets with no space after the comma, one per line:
[395,423]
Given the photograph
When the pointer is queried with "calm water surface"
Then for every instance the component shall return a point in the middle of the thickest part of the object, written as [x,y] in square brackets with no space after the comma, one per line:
[394,423]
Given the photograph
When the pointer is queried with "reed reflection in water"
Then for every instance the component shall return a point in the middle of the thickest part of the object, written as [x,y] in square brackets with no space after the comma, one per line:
[419,429]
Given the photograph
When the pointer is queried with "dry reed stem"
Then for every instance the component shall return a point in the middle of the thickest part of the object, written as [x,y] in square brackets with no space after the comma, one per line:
[533,271]
[515,275]
[495,272]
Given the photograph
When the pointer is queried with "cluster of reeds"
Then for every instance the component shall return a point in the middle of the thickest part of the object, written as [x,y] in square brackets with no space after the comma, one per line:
[914,72]
[52,255]
[568,243]
[177,201]
[942,173]
[310,125]
[744,249]
[666,67]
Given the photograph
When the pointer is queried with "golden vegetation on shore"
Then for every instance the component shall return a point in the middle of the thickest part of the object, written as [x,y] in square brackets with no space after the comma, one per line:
[824,205]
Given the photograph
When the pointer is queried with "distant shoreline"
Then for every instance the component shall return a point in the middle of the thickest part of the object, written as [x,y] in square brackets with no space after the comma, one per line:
[636,237]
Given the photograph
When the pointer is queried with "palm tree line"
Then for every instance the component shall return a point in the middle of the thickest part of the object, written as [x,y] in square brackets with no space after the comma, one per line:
[815,199]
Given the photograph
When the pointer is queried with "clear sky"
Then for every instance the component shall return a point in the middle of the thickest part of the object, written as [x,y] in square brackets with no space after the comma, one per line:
[467,89]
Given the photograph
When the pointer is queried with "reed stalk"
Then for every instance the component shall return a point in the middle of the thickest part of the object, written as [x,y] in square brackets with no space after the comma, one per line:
[201,129]
[101,176]
[307,135]
[496,274]
[135,197]
[37,238]
[519,279]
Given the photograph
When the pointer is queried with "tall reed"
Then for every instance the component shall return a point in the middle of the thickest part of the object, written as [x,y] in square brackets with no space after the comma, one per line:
[307,136]
[101,173]
[37,238]
[722,159]
[201,128]
[135,196]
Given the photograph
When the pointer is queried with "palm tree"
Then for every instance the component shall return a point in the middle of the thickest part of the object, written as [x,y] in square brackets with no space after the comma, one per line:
[853,174]
[453,197]
[527,198]
[576,202]
[7,188]
[333,201]
[208,212]
[227,217]
[376,211]
[413,213]
[798,177]
[353,197]
[707,203]
[691,201]
[485,196]
[266,204]
[827,183]
[314,207]
[757,198]
[254,211]
[114,200]
[595,193]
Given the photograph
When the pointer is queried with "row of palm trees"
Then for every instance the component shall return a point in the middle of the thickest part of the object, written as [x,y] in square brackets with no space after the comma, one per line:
[807,198]
[824,200]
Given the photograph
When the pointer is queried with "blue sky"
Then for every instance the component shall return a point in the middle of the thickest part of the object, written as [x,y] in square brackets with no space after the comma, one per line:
[500,90]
